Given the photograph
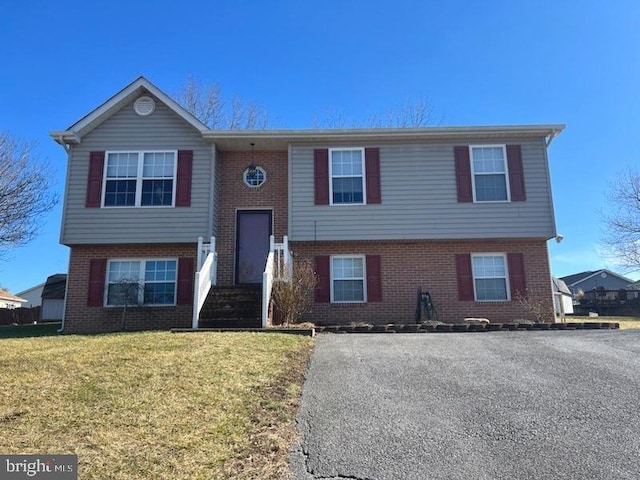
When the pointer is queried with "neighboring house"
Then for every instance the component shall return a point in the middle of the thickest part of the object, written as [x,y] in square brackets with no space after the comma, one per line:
[463,212]
[53,297]
[33,296]
[593,280]
[562,298]
[10,301]
[634,286]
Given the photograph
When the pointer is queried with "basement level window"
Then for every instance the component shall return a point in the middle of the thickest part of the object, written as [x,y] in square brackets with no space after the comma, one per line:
[254,176]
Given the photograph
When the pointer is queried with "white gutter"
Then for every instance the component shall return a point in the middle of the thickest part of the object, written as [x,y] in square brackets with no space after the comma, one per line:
[314,134]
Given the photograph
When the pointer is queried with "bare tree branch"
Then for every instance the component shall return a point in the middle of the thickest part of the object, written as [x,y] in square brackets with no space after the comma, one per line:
[622,220]
[25,193]
[207,104]
[414,113]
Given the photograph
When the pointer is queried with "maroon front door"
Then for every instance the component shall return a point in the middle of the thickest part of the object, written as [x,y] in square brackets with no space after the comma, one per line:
[253,228]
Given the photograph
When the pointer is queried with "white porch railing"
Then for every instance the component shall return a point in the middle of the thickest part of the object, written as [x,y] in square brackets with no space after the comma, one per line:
[279,267]
[206,275]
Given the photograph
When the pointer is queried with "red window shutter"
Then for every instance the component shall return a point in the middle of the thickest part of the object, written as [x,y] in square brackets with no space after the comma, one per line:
[323,289]
[321,176]
[463,173]
[516,173]
[97,276]
[374,279]
[517,279]
[372,169]
[183,180]
[94,181]
[465,277]
[186,275]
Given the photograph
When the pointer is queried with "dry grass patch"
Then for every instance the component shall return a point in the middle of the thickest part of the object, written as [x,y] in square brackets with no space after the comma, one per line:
[155,405]
[625,322]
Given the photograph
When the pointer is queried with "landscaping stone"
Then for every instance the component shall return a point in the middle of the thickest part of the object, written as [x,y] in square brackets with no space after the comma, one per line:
[541,326]
[379,328]
[558,326]
[428,328]
[410,328]
[361,328]
[478,327]
[463,327]
[591,325]
[444,327]
[346,328]
[460,327]
[476,321]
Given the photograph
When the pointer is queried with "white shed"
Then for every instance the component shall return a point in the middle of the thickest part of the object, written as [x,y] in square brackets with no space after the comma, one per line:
[562,298]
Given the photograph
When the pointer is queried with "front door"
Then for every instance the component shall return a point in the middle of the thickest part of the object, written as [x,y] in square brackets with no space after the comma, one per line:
[253,228]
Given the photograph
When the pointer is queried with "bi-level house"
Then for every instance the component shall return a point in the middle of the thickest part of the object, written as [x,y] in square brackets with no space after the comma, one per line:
[463,212]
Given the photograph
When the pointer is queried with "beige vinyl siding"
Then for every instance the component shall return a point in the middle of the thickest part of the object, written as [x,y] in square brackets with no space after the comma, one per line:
[419,199]
[127,131]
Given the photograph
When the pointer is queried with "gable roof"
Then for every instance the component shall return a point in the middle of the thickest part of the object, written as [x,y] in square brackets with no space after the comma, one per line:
[74,134]
[576,278]
[55,287]
[29,290]
[4,295]
[560,286]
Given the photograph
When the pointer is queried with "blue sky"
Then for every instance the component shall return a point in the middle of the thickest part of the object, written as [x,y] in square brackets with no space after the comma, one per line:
[480,63]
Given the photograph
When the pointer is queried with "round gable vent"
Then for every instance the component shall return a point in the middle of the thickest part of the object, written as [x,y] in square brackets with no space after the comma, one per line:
[144,106]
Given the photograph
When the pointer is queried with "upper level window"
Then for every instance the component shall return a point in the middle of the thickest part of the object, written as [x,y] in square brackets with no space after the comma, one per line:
[141,282]
[347,176]
[347,279]
[489,173]
[490,277]
[134,179]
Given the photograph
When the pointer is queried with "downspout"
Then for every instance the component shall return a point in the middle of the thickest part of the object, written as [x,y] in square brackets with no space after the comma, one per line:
[62,144]
[550,137]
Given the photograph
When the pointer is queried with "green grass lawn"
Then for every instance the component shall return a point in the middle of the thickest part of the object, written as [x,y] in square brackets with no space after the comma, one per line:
[155,404]
[625,322]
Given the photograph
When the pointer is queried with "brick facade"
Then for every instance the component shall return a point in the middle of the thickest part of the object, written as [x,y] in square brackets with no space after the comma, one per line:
[408,265]
[79,318]
[235,195]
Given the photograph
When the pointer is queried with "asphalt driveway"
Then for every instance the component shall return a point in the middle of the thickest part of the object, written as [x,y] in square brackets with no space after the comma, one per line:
[517,405]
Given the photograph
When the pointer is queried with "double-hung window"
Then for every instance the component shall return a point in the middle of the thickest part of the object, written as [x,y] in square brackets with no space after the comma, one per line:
[348,279]
[489,173]
[141,282]
[140,179]
[347,185]
[490,277]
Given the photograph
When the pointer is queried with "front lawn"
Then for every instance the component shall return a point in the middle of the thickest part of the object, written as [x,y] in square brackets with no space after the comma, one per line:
[155,404]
